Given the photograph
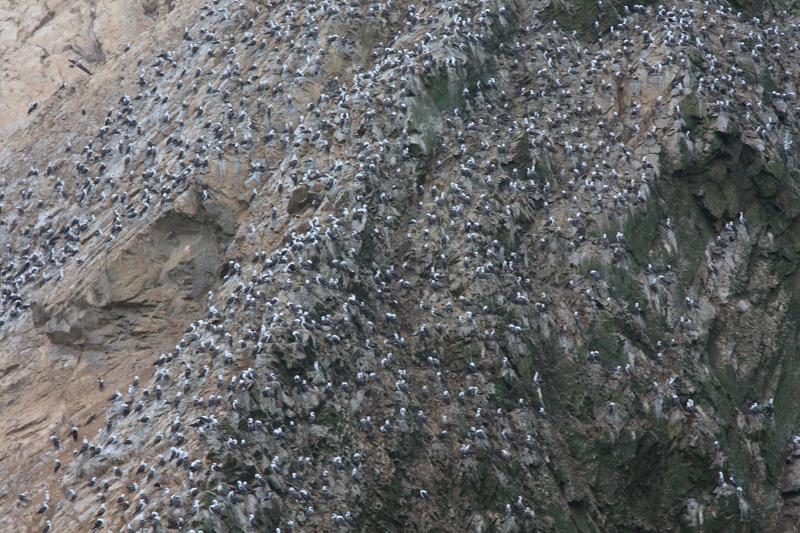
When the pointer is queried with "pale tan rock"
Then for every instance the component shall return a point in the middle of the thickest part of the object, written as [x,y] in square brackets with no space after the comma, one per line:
[38,37]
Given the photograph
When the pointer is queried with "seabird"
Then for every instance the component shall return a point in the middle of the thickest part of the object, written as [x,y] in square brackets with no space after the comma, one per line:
[78,64]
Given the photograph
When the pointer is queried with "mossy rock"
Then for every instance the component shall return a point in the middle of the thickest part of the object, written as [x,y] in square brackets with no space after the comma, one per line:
[329,417]
[229,429]
[641,231]
[757,8]
[445,93]
[690,108]
[603,338]
[234,470]
[580,15]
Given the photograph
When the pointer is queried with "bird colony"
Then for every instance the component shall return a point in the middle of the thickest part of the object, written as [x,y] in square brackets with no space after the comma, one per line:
[475,265]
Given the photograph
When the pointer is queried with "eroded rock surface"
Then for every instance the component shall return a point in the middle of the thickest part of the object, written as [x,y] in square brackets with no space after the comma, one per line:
[39,37]
[404,266]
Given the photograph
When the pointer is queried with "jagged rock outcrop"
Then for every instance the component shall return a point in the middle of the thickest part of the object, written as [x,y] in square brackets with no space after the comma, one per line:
[162,273]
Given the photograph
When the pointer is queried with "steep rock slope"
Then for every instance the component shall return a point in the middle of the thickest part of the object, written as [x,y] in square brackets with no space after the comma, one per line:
[38,38]
[475,266]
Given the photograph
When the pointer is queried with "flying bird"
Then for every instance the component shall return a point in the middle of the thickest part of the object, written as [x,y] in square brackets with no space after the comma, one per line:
[76,63]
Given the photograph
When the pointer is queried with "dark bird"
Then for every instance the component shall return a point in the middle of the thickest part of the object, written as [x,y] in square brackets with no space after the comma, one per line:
[78,64]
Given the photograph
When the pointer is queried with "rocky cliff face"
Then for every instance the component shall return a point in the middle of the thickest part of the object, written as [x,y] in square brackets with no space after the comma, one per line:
[38,38]
[405,266]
